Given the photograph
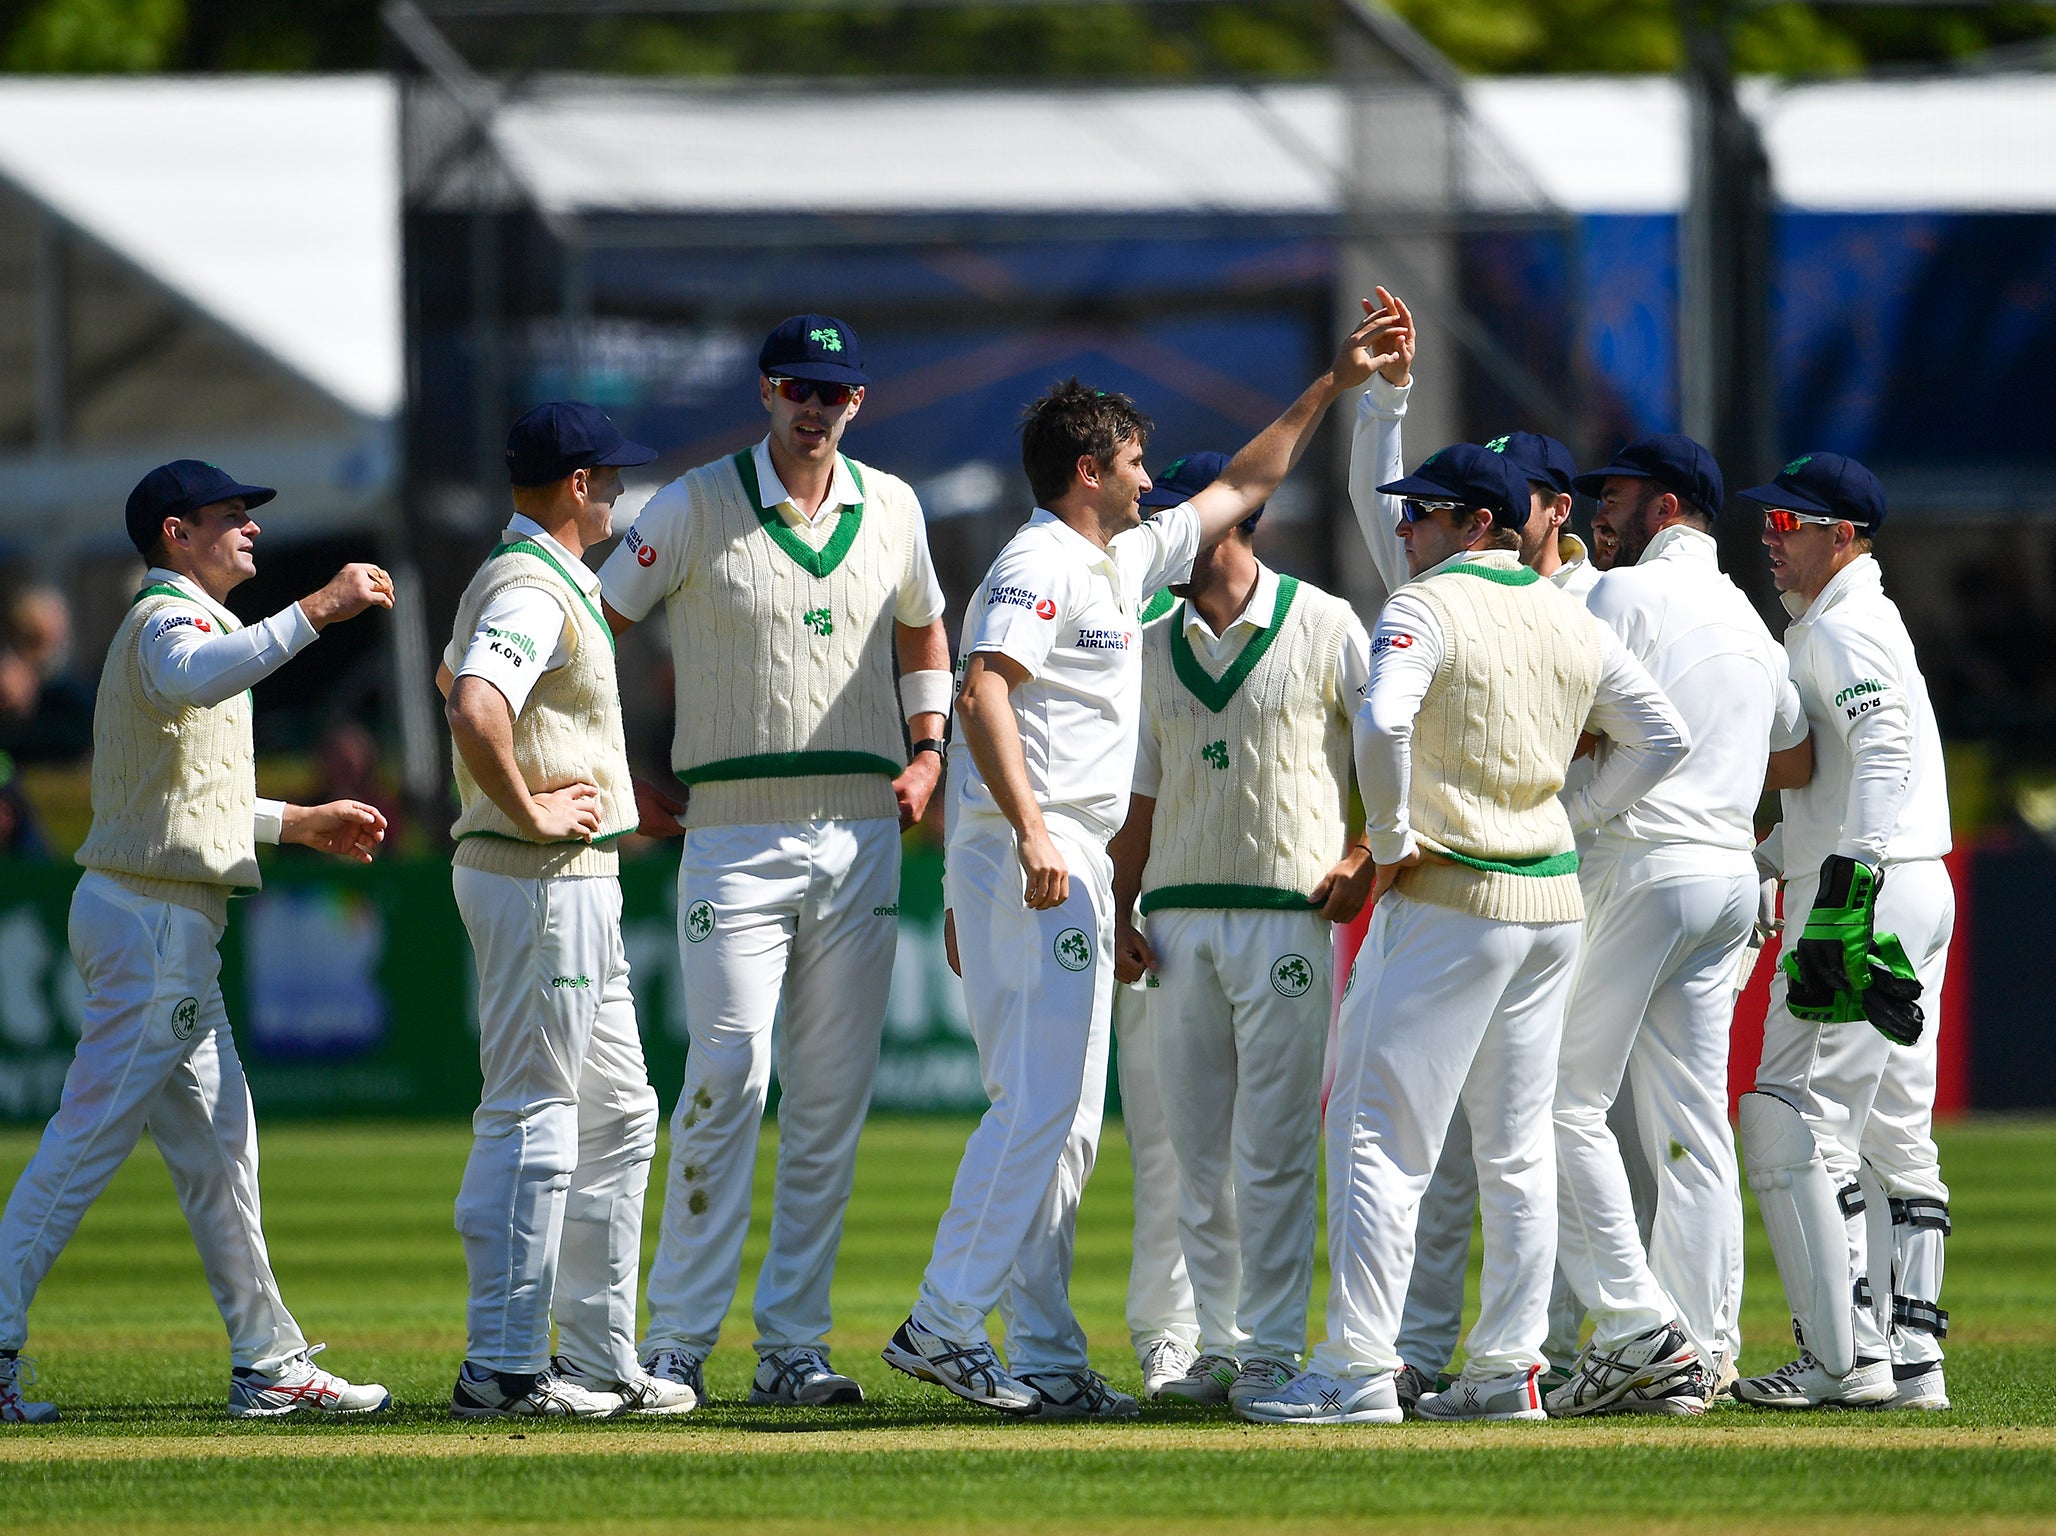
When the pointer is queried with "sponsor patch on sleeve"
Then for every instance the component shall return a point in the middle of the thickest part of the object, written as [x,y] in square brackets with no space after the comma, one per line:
[1861,697]
[181,619]
[1021,597]
[1392,642]
[645,551]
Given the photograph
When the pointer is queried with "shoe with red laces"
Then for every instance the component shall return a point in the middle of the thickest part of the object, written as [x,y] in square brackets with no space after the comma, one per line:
[16,1373]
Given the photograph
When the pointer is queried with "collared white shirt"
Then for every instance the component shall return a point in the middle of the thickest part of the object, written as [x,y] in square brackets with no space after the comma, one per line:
[659,532]
[1710,653]
[1352,664]
[1406,650]
[1878,792]
[523,632]
[1066,611]
[198,654]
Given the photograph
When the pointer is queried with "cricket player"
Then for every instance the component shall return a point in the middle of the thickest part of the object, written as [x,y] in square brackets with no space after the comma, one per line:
[1670,903]
[176,823]
[1845,1093]
[1237,841]
[1483,676]
[550,1209]
[792,578]
[1051,683]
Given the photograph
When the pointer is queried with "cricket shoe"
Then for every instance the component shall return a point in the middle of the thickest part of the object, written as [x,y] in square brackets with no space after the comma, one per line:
[1805,1383]
[296,1382]
[800,1378]
[1412,1384]
[1605,1374]
[1163,1361]
[1685,1395]
[1207,1381]
[640,1394]
[1724,1373]
[1313,1397]
[1913,1386]
[1261,1375]
[679,1367]
[16,1373]
[972,1371]
[1491,1399]
[486,1394]
[1079,1395]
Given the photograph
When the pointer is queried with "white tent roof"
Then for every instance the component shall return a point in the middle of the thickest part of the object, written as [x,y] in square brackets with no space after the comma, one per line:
[270,203]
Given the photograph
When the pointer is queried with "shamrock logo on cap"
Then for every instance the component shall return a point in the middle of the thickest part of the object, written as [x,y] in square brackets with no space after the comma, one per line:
[827,337]
[1497,445]
[1797,464]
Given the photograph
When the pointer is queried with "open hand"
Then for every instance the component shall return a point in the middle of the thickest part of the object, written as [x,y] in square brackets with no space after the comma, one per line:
[1394,346]
[349,829]
[567,815]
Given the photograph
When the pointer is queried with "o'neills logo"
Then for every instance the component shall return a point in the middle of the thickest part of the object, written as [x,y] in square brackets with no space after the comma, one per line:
[1857,690]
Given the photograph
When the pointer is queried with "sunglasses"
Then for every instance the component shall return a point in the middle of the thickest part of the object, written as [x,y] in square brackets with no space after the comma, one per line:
[1415,509]
[800,391]
[1785,520]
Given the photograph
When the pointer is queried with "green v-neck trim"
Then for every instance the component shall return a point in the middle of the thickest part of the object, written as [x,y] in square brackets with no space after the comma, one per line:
[530,547]
[1216,692]
[815,562]
[1519,576]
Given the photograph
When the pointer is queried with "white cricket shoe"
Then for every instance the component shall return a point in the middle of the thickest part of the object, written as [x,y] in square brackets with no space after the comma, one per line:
[1412,1384]
[641,1394]
[1605,1374]
[1207,1381]
[680,1367]
[1260,1376]
[800,1378]
[972,1371]
[16,1373]
[1493,1399]
[1685,1395]
[1079,1395]
[1163,1361]
[1919,1386]
[1805,1383]
[485,1394]
[1315,1398]
[296,1382]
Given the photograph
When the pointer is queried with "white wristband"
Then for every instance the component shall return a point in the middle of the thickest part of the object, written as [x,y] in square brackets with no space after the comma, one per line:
[926,693]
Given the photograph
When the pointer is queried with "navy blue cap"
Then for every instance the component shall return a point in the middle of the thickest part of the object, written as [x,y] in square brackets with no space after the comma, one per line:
[1828,484]
[1475,476]
[817,347]
[181,487]
[1539,458]
[1673,461]
[565,435]
[1183,479]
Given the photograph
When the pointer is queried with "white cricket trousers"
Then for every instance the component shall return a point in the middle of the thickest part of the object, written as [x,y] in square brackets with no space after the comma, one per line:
[1447,1009]
[1039,990]
[1652,1006]
[1836,1074]
[1432,1321]
[550,1209]
[1160,1302]
[1241,1019]
[803,914]
[154,1051]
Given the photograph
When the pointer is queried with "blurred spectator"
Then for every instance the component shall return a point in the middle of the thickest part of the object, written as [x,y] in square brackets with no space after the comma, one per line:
[46,713]
[21,835]
[352,768]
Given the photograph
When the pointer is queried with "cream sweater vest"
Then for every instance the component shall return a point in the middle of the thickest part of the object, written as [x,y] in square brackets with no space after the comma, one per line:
[1253,807]
[787,709]
[1520,667]
[174,795]
[570,729]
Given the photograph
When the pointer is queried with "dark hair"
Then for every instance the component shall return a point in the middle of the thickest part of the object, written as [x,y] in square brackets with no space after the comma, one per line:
[1068,422]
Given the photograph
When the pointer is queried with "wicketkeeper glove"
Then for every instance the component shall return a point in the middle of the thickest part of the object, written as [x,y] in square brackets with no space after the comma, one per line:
[1840,970]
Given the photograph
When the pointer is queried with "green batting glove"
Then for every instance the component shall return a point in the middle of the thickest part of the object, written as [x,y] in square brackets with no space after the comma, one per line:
[1891,994]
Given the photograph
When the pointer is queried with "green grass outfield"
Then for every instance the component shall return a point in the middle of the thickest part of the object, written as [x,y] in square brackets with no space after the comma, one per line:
[359,1219]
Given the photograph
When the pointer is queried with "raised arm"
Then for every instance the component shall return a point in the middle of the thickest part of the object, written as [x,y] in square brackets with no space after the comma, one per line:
[1375,450]
[188,663]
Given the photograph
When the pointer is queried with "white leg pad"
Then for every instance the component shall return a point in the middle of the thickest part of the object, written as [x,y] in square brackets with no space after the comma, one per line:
[1877,1242]
[1808,1234]
[1919,1226]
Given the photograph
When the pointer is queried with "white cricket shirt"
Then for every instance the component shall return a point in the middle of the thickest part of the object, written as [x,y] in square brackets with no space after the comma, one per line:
[1710,653]
[1878,792]
[523,632]
[1066,611]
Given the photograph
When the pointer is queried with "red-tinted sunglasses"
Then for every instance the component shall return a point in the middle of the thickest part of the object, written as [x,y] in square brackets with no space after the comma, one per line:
[1785,520]
[800,391]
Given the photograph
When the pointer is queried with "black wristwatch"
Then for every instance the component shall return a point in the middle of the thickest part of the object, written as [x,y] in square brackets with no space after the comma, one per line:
[933,744]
